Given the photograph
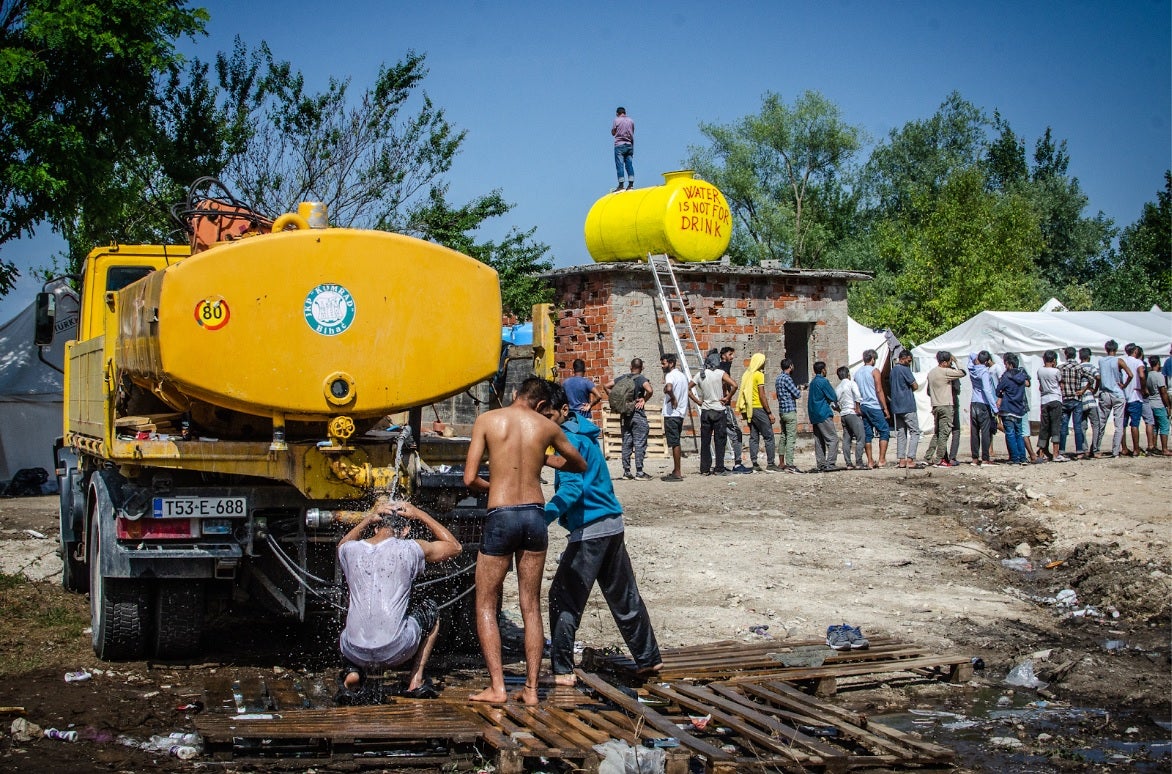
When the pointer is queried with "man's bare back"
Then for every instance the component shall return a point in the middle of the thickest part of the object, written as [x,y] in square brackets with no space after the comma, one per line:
[516,439]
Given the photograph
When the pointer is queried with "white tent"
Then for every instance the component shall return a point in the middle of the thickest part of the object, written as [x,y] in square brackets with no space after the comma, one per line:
[31,390]
[1029,334]
[860,338]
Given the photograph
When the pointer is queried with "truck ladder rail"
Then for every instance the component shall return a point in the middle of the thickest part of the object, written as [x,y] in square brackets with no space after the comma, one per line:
[671,301]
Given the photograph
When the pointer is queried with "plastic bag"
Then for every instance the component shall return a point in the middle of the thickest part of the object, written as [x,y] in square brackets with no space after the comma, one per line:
[1023,675]
[618,757]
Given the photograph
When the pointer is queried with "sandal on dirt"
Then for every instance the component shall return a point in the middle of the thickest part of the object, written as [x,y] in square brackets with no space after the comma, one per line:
[349,697]
[425,691]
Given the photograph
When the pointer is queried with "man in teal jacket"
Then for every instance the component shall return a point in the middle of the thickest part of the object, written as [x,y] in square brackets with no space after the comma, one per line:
[585,504]
[821,402]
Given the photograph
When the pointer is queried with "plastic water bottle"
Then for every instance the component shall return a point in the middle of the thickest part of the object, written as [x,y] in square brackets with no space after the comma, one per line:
[64,736]
[183,752]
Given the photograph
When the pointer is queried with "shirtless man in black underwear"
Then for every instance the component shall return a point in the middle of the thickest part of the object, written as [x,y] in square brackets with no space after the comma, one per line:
[516,439]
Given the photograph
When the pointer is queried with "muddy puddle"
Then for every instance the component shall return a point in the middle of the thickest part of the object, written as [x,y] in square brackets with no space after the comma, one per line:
[1015,731]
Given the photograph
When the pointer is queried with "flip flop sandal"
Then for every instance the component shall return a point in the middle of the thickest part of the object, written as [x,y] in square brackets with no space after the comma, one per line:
[425,691]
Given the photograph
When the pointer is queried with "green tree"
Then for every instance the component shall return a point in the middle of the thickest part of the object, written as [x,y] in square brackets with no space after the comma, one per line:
[969,250]
[1006,158]
[908,171]
[781,171]
[518,258]
[377,160]
[1076,247]
[1141,274]
[77,93]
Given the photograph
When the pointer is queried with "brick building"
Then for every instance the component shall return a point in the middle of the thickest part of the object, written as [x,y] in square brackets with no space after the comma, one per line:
[608,314]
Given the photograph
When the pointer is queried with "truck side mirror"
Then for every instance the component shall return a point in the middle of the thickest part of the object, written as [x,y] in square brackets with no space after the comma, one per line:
[46,313]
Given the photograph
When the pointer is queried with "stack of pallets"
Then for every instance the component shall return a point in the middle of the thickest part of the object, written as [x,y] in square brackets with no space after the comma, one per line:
[612,433]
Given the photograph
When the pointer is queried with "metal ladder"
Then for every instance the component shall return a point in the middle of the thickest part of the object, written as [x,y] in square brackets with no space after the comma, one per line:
[671,301]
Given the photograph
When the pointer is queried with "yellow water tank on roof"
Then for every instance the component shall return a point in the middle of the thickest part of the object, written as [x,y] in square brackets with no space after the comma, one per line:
[686,218]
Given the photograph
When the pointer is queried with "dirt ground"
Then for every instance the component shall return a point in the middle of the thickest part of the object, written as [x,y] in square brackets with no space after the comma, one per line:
[915,555]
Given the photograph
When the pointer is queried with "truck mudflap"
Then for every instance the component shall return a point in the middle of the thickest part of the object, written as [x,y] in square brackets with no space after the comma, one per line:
[216,560]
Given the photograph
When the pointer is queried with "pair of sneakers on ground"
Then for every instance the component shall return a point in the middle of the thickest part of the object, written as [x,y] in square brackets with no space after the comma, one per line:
[640,476]
[846,637]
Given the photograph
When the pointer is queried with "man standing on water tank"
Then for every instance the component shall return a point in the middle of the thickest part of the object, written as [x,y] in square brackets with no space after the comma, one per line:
[623,131]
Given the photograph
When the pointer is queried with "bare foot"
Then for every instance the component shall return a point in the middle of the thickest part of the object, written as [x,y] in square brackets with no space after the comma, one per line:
[649,671]
[490,696]
[570,679]
[351,681]
[526,695]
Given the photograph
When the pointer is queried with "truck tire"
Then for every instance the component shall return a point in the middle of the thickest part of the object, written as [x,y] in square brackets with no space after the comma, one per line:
[119,609]
[179,614]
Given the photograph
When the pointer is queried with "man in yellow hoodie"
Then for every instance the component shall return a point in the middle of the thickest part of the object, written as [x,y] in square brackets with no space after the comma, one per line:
[753,405]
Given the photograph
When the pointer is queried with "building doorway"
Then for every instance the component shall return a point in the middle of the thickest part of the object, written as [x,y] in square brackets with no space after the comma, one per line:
[797,348]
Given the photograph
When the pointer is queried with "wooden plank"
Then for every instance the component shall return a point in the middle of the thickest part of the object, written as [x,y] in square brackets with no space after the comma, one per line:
[288,694]
[739,705]
[738,724]
[799,698]
[580,721]
[822,715]
[854,669]
[541,722]
[650,716]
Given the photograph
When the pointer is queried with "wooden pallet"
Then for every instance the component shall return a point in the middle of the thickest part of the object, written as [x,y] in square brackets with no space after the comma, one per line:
[612,433]
[760,719]
[809,661]
[564,733]
[768,726]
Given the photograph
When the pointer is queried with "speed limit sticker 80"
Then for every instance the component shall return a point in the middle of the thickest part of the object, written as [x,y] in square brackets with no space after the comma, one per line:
[212,313]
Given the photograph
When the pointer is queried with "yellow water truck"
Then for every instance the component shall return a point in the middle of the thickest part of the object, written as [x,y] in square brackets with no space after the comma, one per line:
[686,218]
[219,391]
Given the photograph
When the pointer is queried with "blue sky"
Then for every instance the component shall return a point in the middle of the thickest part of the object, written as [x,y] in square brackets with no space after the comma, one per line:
[536,84]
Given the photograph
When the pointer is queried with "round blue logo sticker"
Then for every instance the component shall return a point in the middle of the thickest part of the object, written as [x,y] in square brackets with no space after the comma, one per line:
[329,309]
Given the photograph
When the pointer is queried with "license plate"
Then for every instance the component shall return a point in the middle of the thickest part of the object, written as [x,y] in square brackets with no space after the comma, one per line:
[216,526]
[180,507]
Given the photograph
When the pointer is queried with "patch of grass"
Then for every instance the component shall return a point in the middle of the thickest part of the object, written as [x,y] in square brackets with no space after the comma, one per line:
[41,627]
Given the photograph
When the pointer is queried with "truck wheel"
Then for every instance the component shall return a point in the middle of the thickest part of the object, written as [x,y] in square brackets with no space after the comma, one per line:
[119,610]
[179,609]
[73,572]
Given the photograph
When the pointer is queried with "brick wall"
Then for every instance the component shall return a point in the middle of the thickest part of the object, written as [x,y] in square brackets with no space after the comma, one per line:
[608,314]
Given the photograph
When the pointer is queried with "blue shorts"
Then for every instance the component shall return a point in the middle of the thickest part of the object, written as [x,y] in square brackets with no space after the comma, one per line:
[513,528]
[1133,413]
[1160,415]
[874,423]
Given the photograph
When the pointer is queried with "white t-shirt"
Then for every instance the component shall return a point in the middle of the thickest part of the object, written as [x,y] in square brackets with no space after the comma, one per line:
[380,575]
[710,386]
[1131,393]
[679,390]
[848,396]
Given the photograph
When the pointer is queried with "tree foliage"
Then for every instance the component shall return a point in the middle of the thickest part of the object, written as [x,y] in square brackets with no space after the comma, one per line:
[377,158]
[908,171]
[969,250]
[781,172]
[77,94]
[517,258]
[1141,274]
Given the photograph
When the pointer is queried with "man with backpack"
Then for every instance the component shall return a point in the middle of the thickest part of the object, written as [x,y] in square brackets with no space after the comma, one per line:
[627,395]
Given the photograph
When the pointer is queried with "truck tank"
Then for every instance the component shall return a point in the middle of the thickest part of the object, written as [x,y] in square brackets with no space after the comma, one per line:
[308,324]
[686,218]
